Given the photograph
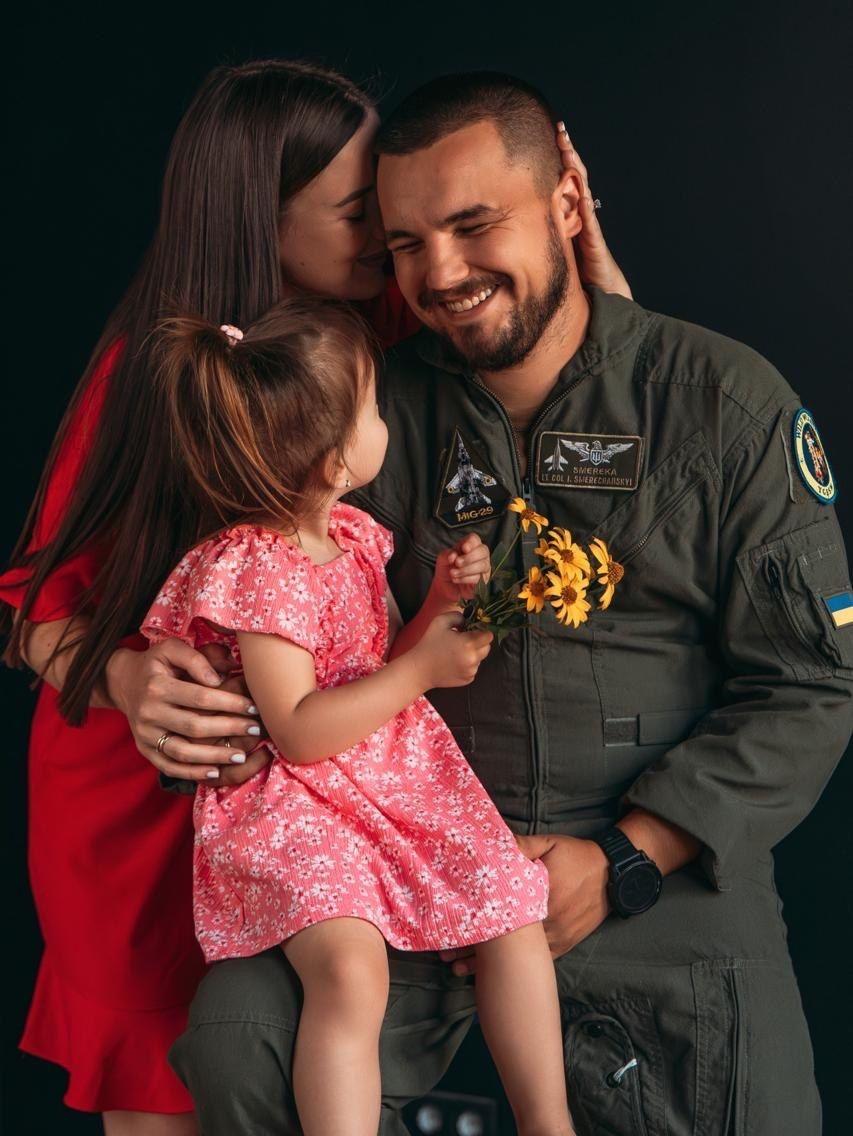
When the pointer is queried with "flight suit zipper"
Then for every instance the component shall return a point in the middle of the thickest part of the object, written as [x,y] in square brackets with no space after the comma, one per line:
[527,670]
[773,576]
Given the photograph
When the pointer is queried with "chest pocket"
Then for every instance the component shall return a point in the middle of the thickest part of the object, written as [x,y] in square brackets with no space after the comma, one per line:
[632,527]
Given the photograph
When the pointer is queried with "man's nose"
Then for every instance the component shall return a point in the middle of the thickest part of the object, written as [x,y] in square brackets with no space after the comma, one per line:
[446,267]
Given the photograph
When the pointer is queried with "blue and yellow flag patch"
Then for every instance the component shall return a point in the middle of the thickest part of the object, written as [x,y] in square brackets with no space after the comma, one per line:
[840,608]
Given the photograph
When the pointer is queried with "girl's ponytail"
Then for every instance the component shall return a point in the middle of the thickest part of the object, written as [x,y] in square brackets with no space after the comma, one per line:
[251,418]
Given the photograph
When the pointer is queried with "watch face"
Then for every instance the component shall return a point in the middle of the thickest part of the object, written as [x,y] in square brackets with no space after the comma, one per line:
[638,888]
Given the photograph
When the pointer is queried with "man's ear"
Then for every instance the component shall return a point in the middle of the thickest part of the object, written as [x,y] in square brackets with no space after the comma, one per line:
[565,204]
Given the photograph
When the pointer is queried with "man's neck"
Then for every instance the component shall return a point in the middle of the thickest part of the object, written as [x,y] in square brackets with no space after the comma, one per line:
[524,389]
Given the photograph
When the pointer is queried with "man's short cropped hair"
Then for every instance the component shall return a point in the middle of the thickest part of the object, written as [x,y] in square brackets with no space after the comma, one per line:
[522,115]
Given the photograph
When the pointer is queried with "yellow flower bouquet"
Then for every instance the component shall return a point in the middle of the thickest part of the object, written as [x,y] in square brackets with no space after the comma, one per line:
[569,580]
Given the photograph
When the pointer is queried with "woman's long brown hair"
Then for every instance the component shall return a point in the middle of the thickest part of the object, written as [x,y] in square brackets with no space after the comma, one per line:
[253,136]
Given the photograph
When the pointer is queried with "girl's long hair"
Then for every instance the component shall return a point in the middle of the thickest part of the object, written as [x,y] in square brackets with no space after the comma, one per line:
[252,137]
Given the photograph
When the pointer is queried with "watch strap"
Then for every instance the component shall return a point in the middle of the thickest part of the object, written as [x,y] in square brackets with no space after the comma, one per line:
[616,846]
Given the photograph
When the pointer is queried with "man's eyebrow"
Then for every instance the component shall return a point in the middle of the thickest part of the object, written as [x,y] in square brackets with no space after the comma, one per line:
[350,197]
[468,214]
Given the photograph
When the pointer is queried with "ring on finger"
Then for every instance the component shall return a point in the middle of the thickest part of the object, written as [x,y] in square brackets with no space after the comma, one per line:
[161,743]
[227,742]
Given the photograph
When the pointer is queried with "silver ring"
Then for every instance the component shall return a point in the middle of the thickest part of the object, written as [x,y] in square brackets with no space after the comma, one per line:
[161,742]
[227,742]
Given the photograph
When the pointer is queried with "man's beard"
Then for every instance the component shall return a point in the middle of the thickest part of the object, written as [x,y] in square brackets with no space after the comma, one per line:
[527,321]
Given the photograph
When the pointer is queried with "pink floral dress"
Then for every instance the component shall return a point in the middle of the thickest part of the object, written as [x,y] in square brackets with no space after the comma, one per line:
[397,830]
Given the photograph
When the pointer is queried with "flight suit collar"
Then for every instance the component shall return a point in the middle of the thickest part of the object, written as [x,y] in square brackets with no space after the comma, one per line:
[615,326]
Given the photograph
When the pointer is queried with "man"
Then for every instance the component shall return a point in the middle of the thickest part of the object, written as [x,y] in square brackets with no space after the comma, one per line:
[681,733]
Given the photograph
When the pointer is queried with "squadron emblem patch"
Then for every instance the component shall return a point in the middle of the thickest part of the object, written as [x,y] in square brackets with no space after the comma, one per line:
[469,492]
[840,608]
[588,461]
[811,459]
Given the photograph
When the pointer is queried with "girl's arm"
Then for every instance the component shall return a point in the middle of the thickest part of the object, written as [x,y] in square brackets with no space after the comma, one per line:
[308,725]
[457,572]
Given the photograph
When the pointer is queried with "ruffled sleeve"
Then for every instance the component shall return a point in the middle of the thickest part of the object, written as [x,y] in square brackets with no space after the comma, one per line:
[247,579]
[59,595]
[358,528]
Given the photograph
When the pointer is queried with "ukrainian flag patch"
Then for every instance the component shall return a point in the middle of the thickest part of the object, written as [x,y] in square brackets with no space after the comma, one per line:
[840,608]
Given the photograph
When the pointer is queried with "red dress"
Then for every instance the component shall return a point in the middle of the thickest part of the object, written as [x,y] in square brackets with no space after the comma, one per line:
[110,853]
[396,829]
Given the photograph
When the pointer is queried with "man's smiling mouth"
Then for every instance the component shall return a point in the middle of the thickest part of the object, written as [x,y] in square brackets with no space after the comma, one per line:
[468,303]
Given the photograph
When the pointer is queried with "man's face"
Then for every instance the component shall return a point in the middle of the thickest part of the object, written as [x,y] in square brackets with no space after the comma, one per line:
[479,253]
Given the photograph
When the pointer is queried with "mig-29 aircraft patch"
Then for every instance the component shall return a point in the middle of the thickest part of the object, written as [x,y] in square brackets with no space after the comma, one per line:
[469,491]
[811,459]
[588,461]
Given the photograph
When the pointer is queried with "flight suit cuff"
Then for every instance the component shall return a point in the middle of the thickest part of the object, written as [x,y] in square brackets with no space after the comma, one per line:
[176,784]
[659,794]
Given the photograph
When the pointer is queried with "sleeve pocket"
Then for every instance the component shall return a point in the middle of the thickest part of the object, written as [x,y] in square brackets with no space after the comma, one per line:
[787,580]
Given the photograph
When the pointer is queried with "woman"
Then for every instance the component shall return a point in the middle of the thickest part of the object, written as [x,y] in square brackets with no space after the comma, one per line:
[268,193]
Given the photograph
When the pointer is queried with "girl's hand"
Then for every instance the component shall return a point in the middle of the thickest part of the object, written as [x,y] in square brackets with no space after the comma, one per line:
[447,656]
[172,689]
[458,570]
[595,261]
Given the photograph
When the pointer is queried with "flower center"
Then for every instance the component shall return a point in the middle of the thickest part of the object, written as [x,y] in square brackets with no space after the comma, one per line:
[568,595]
[537,588]
[528,515]
[615,572]
[567,556]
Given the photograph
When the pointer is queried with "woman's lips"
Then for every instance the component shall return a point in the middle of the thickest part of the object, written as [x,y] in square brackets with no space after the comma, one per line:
[375,260]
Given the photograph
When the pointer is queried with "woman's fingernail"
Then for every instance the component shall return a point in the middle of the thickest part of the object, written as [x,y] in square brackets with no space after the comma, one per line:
[211,774]
[213,678]
[238,758]
[255,730]
[252,710]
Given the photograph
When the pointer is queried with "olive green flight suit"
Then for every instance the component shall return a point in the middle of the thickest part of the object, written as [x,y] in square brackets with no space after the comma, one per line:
[715,692]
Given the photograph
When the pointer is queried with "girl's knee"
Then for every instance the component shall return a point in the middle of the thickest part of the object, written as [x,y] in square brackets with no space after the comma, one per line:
[342,962]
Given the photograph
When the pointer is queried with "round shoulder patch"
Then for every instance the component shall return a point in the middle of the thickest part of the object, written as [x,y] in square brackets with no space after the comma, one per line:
[811,458]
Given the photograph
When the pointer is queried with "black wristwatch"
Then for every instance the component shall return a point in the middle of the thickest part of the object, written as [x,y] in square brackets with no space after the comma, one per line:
[635,880]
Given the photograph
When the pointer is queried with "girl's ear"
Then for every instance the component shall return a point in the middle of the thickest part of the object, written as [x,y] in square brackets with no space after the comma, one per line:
[336,473]
[565,204]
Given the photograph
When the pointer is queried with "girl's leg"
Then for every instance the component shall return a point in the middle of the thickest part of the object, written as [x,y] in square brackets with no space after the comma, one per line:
[343,967]
[125,1123]
[516,991]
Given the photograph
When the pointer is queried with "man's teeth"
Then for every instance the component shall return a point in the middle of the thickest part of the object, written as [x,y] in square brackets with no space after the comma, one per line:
[470,301]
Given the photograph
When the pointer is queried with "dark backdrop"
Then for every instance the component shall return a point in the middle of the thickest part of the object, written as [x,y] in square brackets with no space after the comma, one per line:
[717,136]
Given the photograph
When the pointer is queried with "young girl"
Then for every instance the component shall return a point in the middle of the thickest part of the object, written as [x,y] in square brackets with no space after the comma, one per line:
[369,825]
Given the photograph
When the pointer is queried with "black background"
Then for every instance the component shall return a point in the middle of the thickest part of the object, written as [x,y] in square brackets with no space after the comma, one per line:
[717,136]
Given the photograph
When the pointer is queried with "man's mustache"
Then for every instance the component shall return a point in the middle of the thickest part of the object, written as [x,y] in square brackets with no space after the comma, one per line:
[429,298]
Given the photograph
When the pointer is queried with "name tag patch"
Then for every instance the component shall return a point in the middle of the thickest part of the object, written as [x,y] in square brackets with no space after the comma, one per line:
[589,461]
[840,608]
[469,491]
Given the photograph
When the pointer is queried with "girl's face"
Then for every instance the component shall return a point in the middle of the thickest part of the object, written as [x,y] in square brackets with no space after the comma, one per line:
[366,451]
[330,235]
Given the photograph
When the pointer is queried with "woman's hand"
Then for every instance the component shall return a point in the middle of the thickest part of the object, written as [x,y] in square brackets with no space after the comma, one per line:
[595,260]
[172,689]
[458,570]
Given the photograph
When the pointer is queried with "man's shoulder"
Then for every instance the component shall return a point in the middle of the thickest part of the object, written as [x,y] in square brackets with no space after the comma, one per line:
[679,353]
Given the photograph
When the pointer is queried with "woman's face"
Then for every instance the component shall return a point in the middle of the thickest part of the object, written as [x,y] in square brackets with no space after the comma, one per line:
[330,236]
